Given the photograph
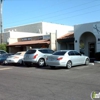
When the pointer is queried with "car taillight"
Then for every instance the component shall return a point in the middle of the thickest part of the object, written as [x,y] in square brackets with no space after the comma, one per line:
[59,58]
[35,56]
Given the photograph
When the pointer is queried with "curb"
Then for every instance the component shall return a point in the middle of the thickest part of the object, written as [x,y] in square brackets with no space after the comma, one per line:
[91,63]
[98,62]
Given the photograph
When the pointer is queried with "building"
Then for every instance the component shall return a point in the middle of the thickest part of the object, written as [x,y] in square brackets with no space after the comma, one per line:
[39,35]
[84,38]
[42,28]
[87,38]
[66,41]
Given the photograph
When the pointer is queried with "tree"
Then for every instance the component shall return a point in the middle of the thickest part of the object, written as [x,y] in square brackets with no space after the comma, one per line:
[3,46]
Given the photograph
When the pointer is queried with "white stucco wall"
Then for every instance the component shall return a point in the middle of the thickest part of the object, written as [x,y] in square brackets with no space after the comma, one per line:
[4,37]
[42,28]
[88,27]
[12,40]
[32,28]
[11,37]
[56,28]
[22,34]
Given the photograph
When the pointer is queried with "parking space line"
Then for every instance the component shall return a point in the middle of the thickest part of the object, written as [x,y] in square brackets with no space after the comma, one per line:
[5,68]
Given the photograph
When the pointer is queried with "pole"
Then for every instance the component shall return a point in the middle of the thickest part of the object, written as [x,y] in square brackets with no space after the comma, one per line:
[1,19]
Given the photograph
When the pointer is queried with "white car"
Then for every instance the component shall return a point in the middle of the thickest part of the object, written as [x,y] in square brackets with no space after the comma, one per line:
[36,56]
[66,58]
[17,58]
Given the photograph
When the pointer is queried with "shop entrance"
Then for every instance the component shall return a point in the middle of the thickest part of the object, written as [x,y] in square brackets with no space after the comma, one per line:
[88,44]
[91,50]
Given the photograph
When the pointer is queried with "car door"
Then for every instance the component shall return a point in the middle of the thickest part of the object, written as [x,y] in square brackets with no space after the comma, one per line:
[78,58]
[72,57]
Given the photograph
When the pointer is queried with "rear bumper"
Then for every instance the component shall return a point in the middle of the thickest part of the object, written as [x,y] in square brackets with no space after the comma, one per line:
[12,61]
[49,63]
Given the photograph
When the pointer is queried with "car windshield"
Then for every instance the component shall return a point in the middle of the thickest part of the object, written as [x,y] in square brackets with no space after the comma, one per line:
[59,53]
[18,53]
[46,51]
[30,51]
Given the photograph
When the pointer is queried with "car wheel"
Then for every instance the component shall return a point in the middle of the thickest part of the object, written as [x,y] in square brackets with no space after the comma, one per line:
[21,62]
[87,61]
[41,62]
[69,64]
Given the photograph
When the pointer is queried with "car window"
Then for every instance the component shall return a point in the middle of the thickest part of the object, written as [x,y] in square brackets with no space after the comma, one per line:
[43,51]
[50,51]
[1,52]
[30,51]
[76,53]
[59,53]
[3,55]
[71,53]
[18,53]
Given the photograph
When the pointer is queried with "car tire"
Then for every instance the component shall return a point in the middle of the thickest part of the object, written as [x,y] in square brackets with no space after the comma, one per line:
[41,62]
[69,64]
[21,63]
[87,61]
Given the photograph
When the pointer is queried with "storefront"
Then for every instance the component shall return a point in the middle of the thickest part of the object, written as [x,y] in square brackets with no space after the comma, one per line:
[66,42]
[87,38]
[24,44]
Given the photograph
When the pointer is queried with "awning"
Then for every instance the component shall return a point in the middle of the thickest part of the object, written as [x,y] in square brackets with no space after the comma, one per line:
[69,37]
[66,36]
[22,43]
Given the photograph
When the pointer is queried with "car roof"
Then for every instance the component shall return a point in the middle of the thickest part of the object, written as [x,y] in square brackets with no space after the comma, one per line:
[66,50]
[3,50]
[40,49]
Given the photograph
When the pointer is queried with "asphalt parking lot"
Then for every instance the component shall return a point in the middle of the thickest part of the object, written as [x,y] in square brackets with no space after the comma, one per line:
[33,83]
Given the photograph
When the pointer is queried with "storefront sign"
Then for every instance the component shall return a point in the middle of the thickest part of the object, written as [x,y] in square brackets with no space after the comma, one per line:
[26,39]
[96,28]
[46,37]
[32,38]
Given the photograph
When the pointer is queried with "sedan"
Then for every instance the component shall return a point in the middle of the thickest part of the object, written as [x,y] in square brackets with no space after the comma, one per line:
[3,57]
[17,58]
[66,58]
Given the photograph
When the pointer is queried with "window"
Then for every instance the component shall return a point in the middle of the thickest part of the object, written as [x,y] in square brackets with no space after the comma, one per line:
[76,53]
[43,51]
[59,53]
[71,53]
[30,51]
[18,53]
[50,51]
[1,52]
[46,51]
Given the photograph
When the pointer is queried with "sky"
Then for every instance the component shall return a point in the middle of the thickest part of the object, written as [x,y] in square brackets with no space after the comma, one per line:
[65,12]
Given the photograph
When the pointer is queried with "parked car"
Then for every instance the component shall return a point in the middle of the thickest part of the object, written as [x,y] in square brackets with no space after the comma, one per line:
[37,56]
[2,52]
[4,56]
[66,58]
[17,58]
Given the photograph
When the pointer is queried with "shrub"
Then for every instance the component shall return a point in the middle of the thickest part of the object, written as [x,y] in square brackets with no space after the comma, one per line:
[3,46]
[97,56]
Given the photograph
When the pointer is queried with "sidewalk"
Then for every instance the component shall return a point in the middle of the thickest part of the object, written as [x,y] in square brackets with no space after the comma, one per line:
[92,61]
[97,62]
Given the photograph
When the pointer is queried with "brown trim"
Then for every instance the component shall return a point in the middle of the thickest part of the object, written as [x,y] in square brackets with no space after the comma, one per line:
[66,36]
[33,42]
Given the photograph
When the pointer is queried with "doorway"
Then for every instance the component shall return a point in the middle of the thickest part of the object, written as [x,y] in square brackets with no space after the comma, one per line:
[91,50]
